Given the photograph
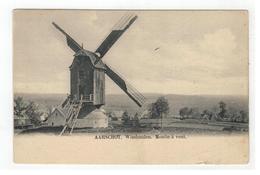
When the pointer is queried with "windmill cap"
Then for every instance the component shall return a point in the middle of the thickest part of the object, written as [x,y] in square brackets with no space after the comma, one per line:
[92,56]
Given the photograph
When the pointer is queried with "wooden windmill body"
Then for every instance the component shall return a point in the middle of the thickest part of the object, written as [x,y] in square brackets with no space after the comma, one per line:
[87,74]
[87,81]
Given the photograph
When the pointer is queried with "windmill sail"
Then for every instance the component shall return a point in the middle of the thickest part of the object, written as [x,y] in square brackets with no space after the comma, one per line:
[70,41]
[136,96]
[116,32]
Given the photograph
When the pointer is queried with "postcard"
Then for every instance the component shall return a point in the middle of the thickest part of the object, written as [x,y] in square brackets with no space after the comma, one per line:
[131,86]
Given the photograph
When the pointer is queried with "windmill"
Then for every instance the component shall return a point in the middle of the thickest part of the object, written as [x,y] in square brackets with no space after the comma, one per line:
[87,75]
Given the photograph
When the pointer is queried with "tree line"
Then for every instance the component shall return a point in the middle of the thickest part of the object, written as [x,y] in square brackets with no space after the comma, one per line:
[222,113]
[160,108]
[23,109]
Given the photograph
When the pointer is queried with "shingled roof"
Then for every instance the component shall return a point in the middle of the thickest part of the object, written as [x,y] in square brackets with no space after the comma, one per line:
[91,56]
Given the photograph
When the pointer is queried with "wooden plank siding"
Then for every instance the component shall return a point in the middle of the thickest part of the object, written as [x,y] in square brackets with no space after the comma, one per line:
[81,77]
[73,82]
[99,87]
[85,79]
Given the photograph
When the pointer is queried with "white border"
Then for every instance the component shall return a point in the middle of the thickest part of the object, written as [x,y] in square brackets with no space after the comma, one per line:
[6,163]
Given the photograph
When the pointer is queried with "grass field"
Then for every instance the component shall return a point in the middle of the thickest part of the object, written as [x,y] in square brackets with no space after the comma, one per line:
[169,124]
[153,126]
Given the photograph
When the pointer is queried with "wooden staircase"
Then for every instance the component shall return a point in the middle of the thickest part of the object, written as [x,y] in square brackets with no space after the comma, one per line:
[72,115]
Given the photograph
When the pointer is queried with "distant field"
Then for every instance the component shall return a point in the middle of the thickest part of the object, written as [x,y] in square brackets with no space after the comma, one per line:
[122,102]
[153,126]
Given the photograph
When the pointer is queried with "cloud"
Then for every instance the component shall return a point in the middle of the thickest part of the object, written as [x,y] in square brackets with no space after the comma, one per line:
[195,55]
[212,61]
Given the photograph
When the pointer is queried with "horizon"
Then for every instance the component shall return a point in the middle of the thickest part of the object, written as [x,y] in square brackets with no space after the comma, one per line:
[200,52]
[234,95]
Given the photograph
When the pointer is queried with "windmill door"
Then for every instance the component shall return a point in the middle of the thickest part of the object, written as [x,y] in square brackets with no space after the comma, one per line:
[85,84]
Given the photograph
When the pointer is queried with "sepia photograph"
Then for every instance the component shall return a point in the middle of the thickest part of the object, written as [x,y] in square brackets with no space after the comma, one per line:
[131,86]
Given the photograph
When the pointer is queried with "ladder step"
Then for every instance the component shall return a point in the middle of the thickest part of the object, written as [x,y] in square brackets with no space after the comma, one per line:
[72,114]
[73,125]
[63,130]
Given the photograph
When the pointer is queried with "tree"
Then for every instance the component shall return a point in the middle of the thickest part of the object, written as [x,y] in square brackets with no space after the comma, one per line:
[223,110]
[244,117]
[160,107]
[19,106]
[184,112]
[112,117]
[153,111]
[136,120]
[49,111]
[206,114]
[33,113]
[22,109]
[125,118]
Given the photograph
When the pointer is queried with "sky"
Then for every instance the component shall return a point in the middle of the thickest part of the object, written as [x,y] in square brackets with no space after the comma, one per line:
[200,52]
